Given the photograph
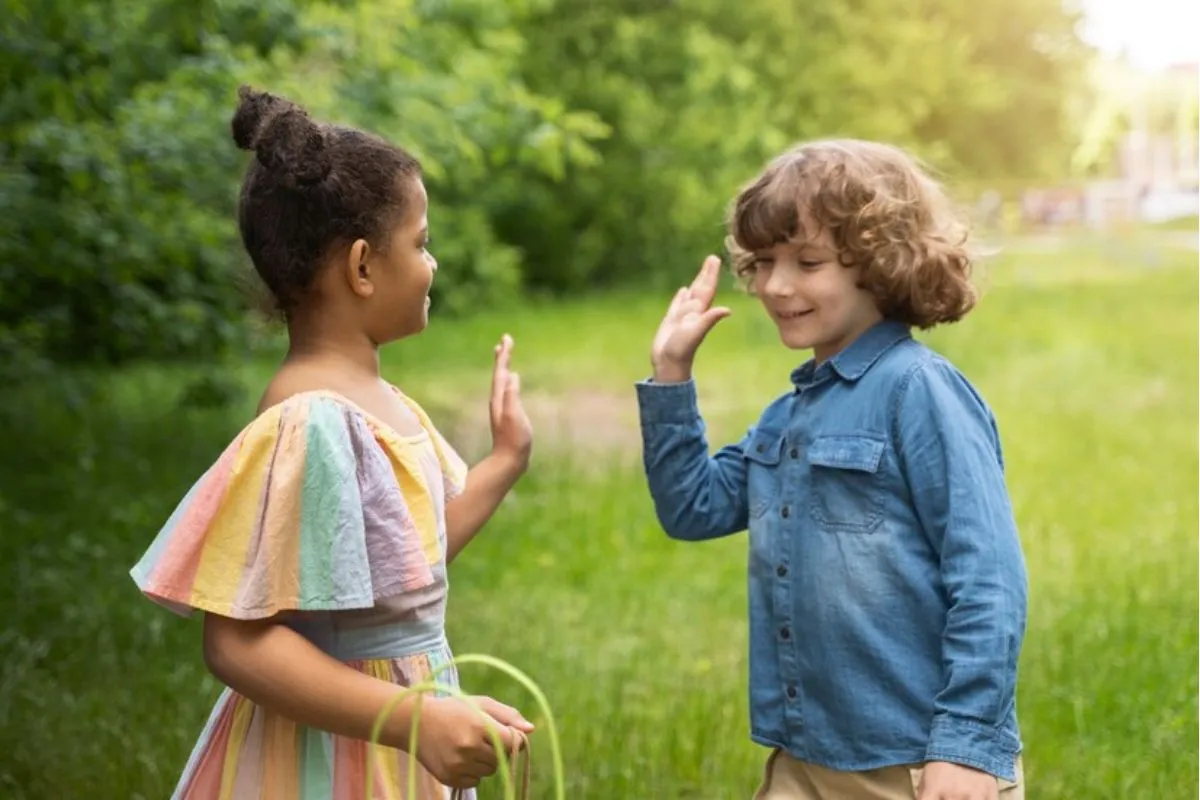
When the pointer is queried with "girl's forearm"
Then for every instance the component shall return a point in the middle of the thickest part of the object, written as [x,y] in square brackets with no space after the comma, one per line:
[276,668]
[487,484]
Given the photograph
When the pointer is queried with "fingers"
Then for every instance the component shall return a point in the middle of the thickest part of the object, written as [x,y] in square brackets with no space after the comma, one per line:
[701,290]
[506,348]
[713,316]
[704,287]
[674,311]
[480,763]
[485,762]
[503,352]
[702,275]
[485,755]
[475,771]
[504,714]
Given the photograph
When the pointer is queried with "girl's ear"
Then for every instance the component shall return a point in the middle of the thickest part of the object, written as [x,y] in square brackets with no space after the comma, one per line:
[357,268]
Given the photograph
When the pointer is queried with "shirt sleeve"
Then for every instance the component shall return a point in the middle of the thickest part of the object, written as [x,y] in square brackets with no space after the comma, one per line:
[950,452]
[696,496]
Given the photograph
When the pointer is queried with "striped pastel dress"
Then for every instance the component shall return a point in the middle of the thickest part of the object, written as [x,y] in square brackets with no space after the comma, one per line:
[322,514]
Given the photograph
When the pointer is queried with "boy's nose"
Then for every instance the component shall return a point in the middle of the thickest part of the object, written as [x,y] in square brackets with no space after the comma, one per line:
[778,284]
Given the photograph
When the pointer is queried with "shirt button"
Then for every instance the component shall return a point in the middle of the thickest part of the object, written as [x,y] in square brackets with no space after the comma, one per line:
[794,453]
[760,448]
[791,692]
[785,633]
[785,512]
[781,570]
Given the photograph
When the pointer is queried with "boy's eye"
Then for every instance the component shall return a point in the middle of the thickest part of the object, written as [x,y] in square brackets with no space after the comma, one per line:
[754,265]
[748,268]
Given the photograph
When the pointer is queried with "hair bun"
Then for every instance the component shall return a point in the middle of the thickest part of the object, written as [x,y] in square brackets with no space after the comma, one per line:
[283,136]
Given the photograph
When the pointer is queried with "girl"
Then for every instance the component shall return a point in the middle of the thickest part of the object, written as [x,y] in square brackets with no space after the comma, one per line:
[887,586]
[317,544]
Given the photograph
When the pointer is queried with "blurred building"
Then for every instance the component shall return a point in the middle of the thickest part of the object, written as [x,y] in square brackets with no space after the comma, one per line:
[1141,146]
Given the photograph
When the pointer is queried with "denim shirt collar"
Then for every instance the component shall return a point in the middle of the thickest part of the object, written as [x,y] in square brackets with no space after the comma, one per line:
[854,361]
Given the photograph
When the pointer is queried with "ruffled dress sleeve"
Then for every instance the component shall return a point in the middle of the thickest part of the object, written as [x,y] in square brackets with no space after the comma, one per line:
[454,468]
[303,511]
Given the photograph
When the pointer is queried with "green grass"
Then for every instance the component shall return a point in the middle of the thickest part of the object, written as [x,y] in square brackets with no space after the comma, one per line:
[1089,363]
[1189,224]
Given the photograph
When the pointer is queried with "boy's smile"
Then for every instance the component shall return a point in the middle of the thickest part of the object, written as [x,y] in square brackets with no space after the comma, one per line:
[813,298]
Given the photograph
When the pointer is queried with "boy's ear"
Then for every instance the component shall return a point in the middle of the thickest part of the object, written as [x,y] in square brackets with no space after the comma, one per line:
[357,268]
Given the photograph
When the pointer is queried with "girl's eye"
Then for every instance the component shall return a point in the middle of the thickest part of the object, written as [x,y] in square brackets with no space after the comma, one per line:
[811,264]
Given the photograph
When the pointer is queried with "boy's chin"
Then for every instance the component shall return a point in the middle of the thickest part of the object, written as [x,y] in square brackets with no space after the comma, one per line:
[792,341]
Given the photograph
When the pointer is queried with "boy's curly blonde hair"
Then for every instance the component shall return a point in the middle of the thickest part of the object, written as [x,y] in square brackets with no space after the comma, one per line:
[883,212]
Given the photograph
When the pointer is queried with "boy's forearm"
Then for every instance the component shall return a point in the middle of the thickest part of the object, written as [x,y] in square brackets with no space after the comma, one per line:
[487,484]
[696,496]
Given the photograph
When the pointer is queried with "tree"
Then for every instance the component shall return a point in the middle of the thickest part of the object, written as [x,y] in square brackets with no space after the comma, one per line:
[118,183]
[700,93]
[121,177]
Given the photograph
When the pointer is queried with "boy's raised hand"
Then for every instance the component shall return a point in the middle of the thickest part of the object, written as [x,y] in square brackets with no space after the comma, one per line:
[688,320]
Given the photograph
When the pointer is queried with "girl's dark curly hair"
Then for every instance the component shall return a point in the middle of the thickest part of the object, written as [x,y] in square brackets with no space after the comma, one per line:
[311,187]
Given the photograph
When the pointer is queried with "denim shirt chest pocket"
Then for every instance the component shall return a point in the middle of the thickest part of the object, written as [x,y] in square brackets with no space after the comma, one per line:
[762,470]
[845,482]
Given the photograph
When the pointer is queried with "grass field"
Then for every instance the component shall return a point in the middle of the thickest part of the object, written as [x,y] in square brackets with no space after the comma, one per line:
[1089,360]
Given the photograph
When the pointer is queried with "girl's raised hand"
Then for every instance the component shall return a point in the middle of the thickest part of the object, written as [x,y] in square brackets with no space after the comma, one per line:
[688,320]
[512,432]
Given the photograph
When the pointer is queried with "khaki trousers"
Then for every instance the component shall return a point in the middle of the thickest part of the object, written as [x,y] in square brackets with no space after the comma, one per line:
[786,778]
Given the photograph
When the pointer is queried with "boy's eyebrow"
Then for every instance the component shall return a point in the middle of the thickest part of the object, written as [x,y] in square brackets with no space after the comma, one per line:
[812,247]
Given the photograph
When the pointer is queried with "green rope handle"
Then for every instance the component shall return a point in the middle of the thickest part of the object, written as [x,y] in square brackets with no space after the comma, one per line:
[538,695]
[390,706]
[431,685]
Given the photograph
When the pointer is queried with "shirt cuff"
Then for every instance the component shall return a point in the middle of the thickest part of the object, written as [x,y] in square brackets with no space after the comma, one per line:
[667,403]
[972,744]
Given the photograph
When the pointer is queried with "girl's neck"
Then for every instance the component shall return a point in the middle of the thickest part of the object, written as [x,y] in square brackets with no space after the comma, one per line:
[354,352]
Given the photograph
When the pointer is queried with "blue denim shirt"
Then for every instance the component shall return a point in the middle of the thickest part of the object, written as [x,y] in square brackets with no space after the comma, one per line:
[887,586]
